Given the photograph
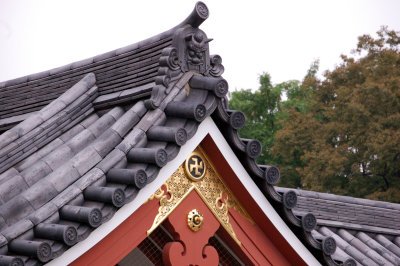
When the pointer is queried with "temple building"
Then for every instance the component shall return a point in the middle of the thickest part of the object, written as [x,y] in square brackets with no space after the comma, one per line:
[133,157]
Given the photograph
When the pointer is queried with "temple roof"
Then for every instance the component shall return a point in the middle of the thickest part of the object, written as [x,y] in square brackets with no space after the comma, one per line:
[366,230]
[88,136]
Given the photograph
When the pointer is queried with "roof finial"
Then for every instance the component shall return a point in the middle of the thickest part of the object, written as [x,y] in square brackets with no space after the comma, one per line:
[199,15]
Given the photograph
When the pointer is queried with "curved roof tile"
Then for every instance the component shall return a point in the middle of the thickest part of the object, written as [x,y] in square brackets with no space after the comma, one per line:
[106,126]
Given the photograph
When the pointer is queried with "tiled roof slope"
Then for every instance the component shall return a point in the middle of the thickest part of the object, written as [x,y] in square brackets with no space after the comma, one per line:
[131,67]
[115,71]
[67,168]
[366,230]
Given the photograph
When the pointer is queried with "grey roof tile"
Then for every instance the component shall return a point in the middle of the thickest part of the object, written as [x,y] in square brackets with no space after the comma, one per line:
[134,91]
[11,188]
[59,69]
[35,172]
[116,112]
[15,209]
[17,229]
[132,139]
[43,134]
[38,75]
[365,218]
[382,251]
[149,118]
[58,82]
[58,157]
[123,163]
[106,142]
[111,160]
[81,63]
[388,244]
[85,153]
[43,213]
[16,81]
[84,138]
[126,49]
[89,178]
[75,130]
[15,119]
[4,153]
[3,223]
[125,123]
[89,120]
[8,174]
[100,57]
[38,155]
[359,214]
[50,110]
[139,109]
[66,196]
[29,124]
[3,240]
[397,241]
[40,193]
[339,254]
[346,247]
[85,160]
[101,124]
[107,98]
[63,176]
[7,137]
[171,96]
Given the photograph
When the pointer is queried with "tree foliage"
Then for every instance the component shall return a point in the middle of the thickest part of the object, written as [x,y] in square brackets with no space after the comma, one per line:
[261,109]
[338,135]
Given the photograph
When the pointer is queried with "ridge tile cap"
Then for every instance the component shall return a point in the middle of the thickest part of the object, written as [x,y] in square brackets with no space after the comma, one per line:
[340,198]
[358,227]
[3,240]
[17,229]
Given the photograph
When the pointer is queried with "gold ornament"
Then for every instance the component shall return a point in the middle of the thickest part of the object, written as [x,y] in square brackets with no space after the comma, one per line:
[194,220]
[211,188]
[195,166]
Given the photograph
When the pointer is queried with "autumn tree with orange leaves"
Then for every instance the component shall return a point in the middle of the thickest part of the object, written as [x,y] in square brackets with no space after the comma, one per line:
[347,140]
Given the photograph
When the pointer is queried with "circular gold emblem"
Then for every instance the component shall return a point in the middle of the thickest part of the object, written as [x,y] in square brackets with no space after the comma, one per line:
[195,166]
[195,220]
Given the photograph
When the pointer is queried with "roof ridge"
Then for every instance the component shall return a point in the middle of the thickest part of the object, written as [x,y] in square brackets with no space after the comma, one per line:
[341,198]
[193,19]
[359,227]
[86,61]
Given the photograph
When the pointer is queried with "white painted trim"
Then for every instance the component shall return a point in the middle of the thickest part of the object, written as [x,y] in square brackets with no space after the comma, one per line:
[258,196]
[206,127]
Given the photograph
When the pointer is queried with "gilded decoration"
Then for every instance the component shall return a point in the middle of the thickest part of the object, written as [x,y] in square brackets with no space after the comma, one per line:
[194,220]
[210,187]
[195,166]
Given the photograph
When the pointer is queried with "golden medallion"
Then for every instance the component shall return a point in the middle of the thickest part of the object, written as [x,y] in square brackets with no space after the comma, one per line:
[207,183]
[195,166]
[194,220]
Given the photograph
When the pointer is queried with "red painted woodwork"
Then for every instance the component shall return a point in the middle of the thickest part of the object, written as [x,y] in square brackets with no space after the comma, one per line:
[276,240]
[190,247]
[262,243]
[123,239]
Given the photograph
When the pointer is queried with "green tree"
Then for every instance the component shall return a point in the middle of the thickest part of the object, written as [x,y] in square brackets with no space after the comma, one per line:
[265,109]
[348,141]
[260,108]
[294,127]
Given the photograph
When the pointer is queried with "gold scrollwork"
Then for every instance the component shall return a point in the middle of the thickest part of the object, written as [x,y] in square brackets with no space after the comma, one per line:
[211,189]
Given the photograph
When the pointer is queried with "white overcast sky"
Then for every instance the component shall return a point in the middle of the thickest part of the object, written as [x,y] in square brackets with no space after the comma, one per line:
[279,37]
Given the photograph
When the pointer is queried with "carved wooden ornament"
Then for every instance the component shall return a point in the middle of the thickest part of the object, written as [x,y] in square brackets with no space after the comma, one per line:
[208,184]
[191,247]
[196,184]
